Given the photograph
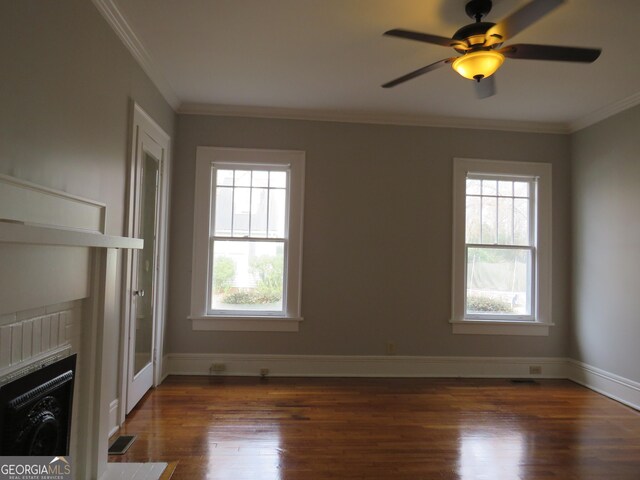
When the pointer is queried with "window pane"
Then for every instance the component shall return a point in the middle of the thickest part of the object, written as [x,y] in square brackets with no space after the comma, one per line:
[521,189]
[489,187]
[278,179]
[247,276]
[225,177]
[489,219]
[521,221]
[253,207]
[260,179]
[473,220]
[505,221]
[498,281]
[243,178]
[277,210]
[224,201]
[259,200]
[505,189]
[241,211]
[473,186]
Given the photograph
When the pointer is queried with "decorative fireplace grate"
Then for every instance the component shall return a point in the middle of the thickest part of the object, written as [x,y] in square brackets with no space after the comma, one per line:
[35,411]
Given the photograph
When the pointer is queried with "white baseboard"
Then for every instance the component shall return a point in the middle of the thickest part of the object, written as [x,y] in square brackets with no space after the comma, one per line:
[165,369]
[114,425]
[364,366]
[613,386]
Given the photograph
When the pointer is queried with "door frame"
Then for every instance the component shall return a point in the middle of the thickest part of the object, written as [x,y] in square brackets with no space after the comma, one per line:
[143,124]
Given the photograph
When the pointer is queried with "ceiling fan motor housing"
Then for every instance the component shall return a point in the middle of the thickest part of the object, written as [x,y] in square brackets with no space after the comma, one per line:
[473,34]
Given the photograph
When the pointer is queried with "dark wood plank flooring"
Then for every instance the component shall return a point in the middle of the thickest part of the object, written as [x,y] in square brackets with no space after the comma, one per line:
[230,428]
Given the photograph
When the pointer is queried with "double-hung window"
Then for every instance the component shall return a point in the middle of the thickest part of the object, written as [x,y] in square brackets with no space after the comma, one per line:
[247,239]
[501,264]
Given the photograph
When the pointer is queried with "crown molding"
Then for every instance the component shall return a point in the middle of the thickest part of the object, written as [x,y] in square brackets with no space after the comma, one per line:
[605,112]
[119,24]
[373,118]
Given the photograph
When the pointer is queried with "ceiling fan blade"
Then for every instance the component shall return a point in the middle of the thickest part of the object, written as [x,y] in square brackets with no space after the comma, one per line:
[485,87]
[417,73]
[551,52]
[423,37]
[519,20]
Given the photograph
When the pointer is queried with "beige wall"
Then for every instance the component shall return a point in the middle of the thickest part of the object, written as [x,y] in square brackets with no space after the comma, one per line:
[66,82]
[377,236]
[606,254]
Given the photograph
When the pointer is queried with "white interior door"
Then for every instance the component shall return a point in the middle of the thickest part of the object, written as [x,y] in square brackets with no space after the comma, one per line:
[142,316]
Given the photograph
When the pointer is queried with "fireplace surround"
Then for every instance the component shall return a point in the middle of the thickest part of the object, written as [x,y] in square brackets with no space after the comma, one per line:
[54,255]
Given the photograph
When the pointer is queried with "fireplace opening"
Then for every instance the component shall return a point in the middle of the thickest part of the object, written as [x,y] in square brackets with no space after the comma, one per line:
[35,411]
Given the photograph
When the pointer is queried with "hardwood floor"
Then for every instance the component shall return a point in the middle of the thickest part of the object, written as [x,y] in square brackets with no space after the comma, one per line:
[432,429]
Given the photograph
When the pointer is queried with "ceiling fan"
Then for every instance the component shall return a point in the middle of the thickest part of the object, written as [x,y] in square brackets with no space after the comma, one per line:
[480,44]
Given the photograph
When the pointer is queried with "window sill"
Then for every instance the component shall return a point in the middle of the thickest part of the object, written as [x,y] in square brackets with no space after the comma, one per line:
[245,324]
[496,327]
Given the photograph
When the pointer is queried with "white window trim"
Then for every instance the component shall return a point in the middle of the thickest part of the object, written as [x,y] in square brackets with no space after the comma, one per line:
[542,277]
[200,277]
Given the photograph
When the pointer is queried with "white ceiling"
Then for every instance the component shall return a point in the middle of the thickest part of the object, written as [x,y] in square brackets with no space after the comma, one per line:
[328,58]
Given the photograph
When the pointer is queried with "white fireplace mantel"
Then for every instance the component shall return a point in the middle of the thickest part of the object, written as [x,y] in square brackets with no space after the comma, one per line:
[20,233]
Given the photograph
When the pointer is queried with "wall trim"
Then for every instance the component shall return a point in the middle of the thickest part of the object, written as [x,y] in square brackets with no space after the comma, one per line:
[146,136]
[609,384]
[372,118]
[364,366]
[27,203]
[164,372]
[10,373]
[114,425]
[119,24]
[605,112]
[618,388]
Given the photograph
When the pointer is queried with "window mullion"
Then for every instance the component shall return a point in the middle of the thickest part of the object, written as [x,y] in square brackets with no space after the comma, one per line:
[533,195]
[213,200]
[500,246]
[233,202]
[513,214]
[250,199]
[266,233]
[497,215]
[481,217]
[532,212]
[248,239]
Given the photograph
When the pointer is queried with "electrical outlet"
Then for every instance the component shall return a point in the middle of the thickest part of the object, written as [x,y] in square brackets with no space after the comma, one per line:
[218,367]
[264,372]
[391,348]
[535,369]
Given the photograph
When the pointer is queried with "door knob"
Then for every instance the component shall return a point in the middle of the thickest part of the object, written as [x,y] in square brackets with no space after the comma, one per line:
[138,293]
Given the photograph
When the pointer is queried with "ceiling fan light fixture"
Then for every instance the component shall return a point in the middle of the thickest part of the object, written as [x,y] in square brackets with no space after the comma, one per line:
[479,64]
